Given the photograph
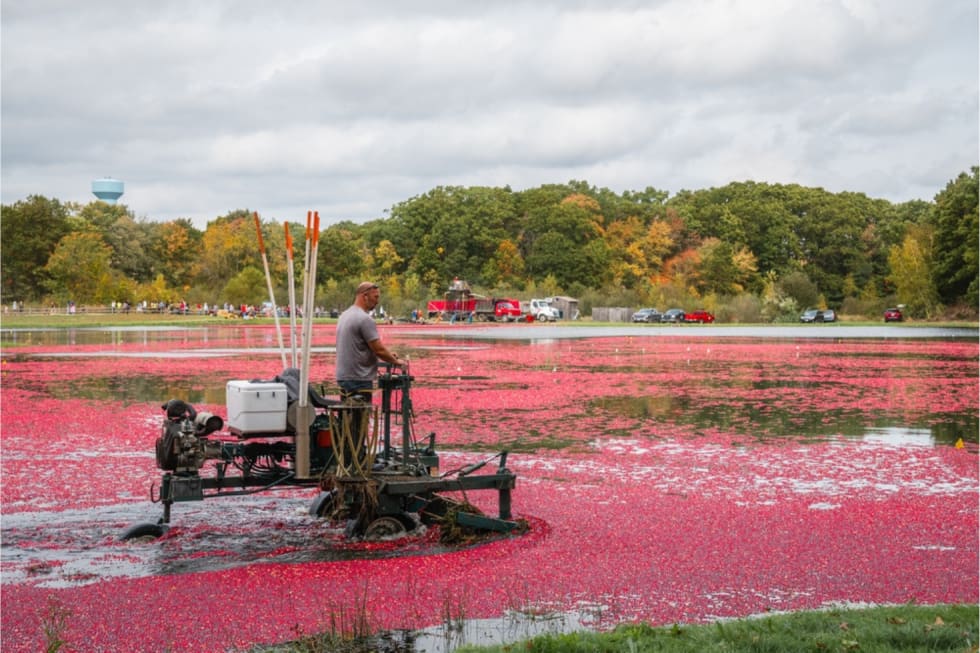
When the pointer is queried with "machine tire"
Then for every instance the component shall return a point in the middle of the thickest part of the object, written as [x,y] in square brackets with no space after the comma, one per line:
[386,526]
[144,530]
[321,504]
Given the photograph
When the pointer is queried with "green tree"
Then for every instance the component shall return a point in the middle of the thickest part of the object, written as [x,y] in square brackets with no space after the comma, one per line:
[79,269]
[29,232]
[956,246]
[131,241]
[799,287]
[564,236]
[100,216]
[343,253]
[246,287]
[553,254]
[449,232]
[718,272]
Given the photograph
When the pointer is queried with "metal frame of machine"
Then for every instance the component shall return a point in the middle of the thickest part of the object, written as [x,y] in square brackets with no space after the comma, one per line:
[375,485]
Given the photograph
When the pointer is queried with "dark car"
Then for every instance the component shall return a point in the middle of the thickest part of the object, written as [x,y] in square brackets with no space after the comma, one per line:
[673,315]
[700,316]
[893,315]
[646,315]
[812,315]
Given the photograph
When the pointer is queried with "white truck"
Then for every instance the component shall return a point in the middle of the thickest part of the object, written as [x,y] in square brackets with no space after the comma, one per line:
[542,310]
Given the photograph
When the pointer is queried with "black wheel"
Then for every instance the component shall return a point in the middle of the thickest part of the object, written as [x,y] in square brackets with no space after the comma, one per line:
[321,504]
[387,526]
[144,530]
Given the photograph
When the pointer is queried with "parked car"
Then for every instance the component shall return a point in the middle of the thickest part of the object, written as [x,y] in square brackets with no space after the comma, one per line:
[673,315]
[829,315]
[812,315]
[893,315]
[646,315]
[700,316]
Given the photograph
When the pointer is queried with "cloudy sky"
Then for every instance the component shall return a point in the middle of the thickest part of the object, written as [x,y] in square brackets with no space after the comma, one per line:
[206,106]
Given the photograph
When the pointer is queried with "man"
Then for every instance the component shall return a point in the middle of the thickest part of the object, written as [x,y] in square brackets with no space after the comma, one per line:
[359,346]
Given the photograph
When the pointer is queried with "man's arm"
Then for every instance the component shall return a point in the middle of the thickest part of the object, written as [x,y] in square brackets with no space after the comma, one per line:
[382,352]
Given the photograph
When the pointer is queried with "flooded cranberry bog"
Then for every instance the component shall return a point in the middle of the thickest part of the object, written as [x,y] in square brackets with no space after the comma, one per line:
[668,475]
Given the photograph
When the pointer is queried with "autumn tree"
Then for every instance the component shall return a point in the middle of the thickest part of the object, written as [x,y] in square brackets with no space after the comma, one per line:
[505,267]
[173,252]
[738,238]
[627,257]
[229,245]
[684,270]
[385,261]
[911,273]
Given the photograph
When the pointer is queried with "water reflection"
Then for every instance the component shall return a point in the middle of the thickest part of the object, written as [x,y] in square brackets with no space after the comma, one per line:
[83,336]
[245,337]
[789,397]
[769,420]
[901,437]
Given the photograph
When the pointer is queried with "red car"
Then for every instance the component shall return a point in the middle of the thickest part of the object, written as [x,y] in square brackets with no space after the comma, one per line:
[700,316]
[893,315]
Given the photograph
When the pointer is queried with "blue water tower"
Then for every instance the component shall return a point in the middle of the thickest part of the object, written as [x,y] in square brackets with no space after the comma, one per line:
[107,189]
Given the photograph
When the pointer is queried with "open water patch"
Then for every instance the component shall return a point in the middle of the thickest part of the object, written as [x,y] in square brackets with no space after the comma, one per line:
[548,333]
[77,547]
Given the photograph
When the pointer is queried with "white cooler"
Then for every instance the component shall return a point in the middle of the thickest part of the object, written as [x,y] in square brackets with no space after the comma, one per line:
[256,407]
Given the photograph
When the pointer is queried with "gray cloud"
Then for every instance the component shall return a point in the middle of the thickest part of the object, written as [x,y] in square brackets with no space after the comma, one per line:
[203,108]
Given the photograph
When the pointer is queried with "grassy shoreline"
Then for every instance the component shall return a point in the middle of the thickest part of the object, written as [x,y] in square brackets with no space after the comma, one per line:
[908,628]
[107,320]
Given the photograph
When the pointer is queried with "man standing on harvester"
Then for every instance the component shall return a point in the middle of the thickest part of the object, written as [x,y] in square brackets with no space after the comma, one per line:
[359,346]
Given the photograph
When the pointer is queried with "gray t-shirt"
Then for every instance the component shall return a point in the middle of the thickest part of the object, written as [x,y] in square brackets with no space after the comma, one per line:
[355,359]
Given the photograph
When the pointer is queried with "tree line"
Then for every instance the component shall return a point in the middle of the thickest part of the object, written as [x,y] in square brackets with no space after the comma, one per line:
[748,251]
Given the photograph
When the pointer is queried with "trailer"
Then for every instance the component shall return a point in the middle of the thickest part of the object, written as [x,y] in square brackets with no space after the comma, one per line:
[363,461]
[461,303]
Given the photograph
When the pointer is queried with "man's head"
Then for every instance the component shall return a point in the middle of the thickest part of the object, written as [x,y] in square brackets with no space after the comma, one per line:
[367,295]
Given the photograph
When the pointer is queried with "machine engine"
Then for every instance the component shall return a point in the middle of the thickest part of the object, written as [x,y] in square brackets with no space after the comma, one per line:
[183,445]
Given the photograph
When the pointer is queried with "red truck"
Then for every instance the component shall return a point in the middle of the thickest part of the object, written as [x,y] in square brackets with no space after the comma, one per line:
[461,302]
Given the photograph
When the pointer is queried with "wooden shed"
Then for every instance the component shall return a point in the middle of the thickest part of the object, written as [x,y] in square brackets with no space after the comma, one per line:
[567,306]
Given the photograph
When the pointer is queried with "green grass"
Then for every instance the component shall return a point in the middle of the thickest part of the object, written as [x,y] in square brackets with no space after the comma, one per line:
[892,629]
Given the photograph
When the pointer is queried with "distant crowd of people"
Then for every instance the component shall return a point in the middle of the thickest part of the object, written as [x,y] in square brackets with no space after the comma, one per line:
[244,311]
